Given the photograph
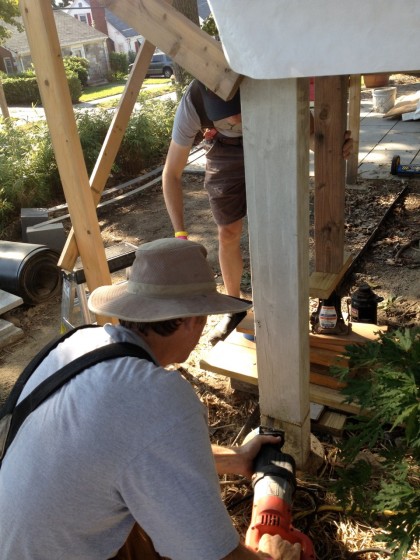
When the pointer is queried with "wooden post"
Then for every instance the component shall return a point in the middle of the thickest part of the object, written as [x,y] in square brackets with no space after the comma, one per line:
[275,116]
[190,47]
[3,103]
[45,50]
[354,126]
[112,142]
[330,118]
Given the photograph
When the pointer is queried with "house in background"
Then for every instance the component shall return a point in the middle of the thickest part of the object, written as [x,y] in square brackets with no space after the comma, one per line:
[122,37]
[76,39]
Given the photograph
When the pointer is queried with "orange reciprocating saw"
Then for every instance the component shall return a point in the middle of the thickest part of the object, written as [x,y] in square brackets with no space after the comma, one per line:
[274,484]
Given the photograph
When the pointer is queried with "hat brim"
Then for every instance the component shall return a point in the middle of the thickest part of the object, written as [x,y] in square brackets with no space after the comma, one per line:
[116,301]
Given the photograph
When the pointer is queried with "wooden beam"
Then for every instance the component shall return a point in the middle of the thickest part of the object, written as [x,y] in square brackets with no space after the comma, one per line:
[46,55]
[275,119]
[330,118]
[322,284]
[354,126]
[191,47]
[112,142]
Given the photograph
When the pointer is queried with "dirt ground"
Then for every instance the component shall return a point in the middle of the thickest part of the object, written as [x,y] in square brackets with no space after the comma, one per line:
[390,264]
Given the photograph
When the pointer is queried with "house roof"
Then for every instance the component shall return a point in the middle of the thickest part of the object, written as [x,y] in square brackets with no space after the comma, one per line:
[120,25]
[70,31]
[203,9]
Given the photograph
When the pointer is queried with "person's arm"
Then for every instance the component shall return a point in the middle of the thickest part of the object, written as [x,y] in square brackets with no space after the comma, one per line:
[176,161]
[239,460]
[270,547]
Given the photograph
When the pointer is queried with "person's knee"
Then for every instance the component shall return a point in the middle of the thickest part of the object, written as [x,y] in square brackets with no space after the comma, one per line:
[230,234]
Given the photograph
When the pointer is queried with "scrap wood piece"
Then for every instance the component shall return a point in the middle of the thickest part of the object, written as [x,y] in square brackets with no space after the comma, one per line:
[112,142]
[331,422]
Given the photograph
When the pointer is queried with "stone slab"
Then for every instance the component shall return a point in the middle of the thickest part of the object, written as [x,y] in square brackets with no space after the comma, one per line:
[8,301]
[51,235]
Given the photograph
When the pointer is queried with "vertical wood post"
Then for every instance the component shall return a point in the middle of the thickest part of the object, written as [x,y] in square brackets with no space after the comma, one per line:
[112,142]
[330,124]
[275,116]
[46,55]
[354,126]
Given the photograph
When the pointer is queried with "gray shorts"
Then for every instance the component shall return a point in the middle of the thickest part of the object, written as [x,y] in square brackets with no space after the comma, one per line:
[225,182]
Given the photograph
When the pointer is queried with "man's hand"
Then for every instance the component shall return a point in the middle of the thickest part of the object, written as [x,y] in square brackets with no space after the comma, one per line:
[278,549]
[348,145]
[239,460]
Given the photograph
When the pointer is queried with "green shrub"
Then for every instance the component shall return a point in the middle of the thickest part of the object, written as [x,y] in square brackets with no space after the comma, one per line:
[79,66]
[118,63]
[28,169]
[22,89]
[384,379]
[75,87]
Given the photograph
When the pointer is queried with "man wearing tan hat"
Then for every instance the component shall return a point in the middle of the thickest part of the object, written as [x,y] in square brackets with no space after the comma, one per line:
[117,462]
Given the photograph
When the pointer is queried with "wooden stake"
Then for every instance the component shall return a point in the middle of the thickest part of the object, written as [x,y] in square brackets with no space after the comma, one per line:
[330,121]
[112,142]
[46,54]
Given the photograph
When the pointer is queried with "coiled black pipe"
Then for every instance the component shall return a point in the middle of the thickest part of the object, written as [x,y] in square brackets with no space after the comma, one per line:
[29,271]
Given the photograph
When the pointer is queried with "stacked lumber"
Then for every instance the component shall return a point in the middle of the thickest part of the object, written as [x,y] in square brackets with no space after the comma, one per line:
[329,350]
[326,350]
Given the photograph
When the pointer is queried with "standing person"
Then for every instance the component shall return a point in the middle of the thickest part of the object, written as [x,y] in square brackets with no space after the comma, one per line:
[117,463]
[201,109]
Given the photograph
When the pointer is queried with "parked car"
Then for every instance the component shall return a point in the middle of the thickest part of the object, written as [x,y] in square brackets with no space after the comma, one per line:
[161,65]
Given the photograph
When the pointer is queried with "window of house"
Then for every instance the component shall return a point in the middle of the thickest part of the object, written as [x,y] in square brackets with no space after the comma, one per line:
[9,65]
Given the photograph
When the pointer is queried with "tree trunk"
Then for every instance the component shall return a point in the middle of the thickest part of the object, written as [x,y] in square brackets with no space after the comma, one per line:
[189,9]
[3,104]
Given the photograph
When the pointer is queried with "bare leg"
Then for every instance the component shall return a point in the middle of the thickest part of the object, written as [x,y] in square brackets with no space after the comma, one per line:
[230,257]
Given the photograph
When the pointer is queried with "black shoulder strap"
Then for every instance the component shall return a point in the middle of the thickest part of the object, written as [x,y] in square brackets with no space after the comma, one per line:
[14,394]
[62,376]
[198,103]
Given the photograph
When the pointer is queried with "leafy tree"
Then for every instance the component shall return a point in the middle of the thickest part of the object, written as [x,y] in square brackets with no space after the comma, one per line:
[9,11]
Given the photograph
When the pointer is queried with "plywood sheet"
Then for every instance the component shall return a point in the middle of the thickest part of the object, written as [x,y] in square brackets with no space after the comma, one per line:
[294,39]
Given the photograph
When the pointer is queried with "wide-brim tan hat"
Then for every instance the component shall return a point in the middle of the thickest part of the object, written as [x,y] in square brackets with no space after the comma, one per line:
[170,278]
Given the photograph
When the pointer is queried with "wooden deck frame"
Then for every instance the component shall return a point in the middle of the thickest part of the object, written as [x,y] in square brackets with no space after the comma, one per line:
[276,129]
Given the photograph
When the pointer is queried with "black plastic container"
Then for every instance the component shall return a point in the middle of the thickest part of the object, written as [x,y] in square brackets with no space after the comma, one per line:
[364,305]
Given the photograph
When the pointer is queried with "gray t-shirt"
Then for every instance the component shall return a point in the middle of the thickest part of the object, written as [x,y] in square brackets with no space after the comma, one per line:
[122,442]
[187,123]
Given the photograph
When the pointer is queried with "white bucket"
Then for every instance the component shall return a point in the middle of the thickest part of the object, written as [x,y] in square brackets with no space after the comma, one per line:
[384,99]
